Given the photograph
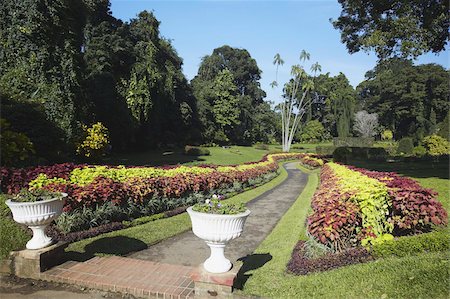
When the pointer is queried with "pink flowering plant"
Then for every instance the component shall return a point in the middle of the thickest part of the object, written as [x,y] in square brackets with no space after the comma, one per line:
[215,205]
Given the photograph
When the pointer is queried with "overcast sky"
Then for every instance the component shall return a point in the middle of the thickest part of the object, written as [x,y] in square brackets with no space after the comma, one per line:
[264,28]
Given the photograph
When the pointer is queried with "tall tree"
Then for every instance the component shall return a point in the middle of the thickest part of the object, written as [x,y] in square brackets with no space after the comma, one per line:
[395,27]
[40,60]
[408,99]
[246,76]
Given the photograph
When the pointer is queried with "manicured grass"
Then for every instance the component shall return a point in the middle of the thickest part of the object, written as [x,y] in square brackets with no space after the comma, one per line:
[218,156]
[424,275]
[139,237]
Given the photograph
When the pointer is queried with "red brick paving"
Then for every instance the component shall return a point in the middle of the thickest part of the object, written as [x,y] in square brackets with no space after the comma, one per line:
[119,274]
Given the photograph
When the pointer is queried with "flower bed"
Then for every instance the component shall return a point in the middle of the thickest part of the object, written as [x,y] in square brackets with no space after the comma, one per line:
[354,206]
[103,194]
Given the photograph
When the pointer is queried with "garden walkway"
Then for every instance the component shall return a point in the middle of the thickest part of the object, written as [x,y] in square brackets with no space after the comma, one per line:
[163,270]
[266,210]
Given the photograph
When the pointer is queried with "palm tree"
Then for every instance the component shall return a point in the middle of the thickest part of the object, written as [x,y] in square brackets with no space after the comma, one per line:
[277,61]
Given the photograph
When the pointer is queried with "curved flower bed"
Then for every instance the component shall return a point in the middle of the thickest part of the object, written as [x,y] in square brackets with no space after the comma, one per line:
[355,206]
[120,193]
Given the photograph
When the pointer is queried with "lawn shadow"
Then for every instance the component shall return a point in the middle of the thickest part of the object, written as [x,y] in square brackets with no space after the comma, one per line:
[152,158]
[414,169]
[118,245]
[250,262]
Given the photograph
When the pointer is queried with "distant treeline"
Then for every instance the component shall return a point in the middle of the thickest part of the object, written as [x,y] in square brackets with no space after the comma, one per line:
[65,63]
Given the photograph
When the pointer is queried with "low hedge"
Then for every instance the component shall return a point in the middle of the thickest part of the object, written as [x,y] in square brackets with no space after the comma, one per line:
[344,154]
[325,150]
[410,245]
[353,141]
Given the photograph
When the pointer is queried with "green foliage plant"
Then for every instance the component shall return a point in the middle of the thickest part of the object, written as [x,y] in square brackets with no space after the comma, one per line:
[419,151]
[405,146]
[387,135]
[371,195]
[436,145]
[26,195]
[313,131]
[216,206]
[15,146]
[96,141]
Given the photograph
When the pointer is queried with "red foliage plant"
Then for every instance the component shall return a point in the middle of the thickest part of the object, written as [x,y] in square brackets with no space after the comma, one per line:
[301,265]
[414,208]
[335,220]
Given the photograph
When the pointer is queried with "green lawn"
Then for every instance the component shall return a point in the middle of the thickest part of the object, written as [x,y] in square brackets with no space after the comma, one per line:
[139,237]
[219,156]
[423,275]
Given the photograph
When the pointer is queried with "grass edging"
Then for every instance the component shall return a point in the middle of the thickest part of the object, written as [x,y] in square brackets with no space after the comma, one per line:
[137,238]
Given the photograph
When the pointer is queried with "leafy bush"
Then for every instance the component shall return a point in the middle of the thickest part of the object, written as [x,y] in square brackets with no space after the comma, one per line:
[15,146]
[12,236]
[387,135]
[299,264]
[313,131]
[405,146]
[84,234]
[353,141]
[325,150]
[95,143]
[196,151]
[419,151]
[410,245]
[436,145]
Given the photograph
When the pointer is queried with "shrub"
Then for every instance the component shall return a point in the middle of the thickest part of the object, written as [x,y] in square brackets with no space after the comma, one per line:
[95,143]
[387,135]
[377,154]
[12,236]
[353,141]
[419,151]
[325,150]
[313,131]
[436,145]
[196,151]
[410,245]
[405,146]
[15,146]
[299,264]
[341,154]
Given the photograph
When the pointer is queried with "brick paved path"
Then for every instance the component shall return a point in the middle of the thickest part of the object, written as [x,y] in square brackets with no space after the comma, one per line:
[125,275]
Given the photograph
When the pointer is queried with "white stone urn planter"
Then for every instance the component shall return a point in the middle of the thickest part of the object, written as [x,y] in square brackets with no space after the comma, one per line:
[37,215]
[217,230]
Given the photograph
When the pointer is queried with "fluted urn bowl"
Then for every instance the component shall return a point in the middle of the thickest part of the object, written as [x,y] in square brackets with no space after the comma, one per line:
[37,215]
[217,230]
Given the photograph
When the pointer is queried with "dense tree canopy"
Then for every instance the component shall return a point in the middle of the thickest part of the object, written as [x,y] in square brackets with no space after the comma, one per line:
[252,110]
[77,64]
[410,100]
[340,99]
[406,28]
